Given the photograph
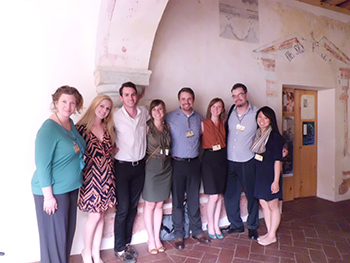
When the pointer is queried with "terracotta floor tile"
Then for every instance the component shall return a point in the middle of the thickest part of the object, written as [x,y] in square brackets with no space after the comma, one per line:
[264,258]
[331,252]
[312,230]
[318,256]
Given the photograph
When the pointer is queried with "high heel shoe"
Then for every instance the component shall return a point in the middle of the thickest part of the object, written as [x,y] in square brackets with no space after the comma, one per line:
[219,236]
[210,235]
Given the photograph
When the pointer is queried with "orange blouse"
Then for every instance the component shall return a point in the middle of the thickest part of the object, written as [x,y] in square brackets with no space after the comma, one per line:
[213,134]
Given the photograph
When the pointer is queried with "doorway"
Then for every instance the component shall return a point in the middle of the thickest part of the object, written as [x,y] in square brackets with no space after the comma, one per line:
[299,129]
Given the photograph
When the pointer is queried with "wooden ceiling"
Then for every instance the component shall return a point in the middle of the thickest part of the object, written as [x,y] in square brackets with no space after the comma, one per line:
[341,6]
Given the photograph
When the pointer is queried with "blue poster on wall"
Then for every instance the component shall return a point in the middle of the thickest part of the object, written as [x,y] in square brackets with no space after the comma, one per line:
[308,133]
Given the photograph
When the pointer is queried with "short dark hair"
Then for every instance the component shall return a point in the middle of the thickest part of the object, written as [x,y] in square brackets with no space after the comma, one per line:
[239,85]
[128,84]
[270,114]
[185,89]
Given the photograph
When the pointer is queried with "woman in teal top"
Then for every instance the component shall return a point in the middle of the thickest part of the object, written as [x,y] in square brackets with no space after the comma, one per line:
[59,151]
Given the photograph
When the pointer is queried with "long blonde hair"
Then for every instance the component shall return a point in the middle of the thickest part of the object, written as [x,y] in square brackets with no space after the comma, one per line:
[88,118]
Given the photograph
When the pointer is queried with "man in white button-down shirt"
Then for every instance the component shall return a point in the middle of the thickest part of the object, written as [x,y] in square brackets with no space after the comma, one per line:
[130,124]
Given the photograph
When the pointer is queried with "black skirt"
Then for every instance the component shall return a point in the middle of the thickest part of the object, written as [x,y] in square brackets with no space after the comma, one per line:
[214,171]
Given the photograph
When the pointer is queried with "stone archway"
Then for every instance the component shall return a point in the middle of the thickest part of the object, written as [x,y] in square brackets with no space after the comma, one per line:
[126,32]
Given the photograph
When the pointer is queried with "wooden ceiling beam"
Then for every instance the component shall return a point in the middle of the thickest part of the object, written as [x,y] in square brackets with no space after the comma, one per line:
[345,4]
[333,2]
[326,6]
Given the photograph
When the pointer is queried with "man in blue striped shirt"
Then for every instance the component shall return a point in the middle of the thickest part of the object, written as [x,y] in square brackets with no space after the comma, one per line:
[185,126]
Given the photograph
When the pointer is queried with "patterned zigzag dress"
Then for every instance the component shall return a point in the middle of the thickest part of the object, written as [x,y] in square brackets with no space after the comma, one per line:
[97,193]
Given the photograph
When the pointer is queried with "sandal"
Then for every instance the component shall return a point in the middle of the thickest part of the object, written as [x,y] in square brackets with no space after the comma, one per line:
[161,249]
[153,251]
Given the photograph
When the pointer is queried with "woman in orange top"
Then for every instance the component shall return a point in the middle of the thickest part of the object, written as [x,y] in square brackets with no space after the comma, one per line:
[214,163]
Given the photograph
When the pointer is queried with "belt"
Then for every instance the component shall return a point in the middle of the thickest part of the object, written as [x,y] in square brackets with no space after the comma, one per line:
[211,150]
[185,159]
[132,163]
[156,157]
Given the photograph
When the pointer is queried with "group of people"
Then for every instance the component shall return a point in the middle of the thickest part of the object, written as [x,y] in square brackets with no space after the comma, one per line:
[109,158]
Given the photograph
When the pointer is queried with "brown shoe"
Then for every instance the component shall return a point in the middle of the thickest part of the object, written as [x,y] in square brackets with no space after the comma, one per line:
[179,243]
[202,238]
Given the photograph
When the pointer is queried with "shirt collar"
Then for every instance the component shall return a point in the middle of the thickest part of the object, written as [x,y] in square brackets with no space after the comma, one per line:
[179,112]
[127,114]
[249,108]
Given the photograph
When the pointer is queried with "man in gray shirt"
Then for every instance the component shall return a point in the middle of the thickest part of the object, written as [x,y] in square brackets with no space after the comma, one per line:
[241,127]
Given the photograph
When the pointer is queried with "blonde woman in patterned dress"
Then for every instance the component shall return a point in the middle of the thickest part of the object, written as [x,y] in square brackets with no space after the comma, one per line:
[98,191]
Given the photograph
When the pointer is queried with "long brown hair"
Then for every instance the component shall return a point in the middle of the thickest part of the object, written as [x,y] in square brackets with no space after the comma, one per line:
[88,118]
[211,103]
[155,103]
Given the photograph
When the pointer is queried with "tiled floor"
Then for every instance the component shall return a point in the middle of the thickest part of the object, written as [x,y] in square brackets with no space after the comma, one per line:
[312,230]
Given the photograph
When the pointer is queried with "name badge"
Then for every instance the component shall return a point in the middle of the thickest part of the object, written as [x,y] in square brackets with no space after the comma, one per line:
[189,134]
[216,147]
[258,157]
[240,127]
[76,148]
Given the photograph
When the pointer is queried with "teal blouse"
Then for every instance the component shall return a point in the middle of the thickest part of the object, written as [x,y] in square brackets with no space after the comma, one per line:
[57,163]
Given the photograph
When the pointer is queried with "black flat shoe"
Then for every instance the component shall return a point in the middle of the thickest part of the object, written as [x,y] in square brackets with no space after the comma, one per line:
[229,230]
[179,243]
[202,238]
[253,234]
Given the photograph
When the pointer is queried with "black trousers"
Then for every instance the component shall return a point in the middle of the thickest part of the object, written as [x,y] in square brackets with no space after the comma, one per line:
[56,231]
[186,179]
[129,183]
[241,175]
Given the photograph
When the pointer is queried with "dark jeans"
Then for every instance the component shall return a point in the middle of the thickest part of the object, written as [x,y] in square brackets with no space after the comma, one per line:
[241,175]
[129,184]
[56,231]
[186,179]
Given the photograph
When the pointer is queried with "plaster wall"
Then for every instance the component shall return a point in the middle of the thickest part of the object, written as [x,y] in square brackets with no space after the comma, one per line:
[45,44]
[52,43]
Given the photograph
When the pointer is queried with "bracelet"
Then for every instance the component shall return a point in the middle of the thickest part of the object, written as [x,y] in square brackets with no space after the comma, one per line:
[49,198]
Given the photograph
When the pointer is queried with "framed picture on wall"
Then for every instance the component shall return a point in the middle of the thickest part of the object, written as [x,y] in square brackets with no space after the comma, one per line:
[288,101]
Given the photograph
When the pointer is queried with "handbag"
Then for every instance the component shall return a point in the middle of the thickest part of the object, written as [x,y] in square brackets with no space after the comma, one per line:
[167,228]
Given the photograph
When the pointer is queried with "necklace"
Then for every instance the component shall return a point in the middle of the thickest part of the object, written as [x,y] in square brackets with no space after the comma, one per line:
[75,145]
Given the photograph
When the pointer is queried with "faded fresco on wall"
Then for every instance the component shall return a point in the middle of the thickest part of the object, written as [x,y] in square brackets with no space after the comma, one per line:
[296,45]
[345,185]
[239,20]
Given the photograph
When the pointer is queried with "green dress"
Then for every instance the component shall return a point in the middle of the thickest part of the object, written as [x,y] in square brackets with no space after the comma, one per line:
[158,167]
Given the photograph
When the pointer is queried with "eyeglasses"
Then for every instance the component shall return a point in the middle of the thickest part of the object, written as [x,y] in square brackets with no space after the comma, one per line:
[239,95]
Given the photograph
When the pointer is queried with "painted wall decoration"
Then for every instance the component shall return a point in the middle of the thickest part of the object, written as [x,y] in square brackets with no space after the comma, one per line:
[239,20]
[295,45]
[345,185]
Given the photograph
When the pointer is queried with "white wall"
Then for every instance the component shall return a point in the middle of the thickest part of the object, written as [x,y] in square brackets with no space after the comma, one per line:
[45,44]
